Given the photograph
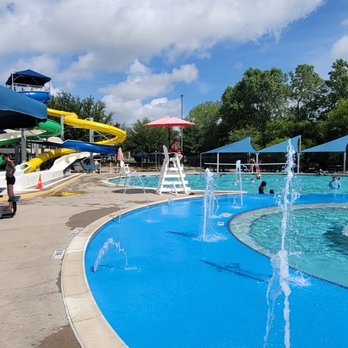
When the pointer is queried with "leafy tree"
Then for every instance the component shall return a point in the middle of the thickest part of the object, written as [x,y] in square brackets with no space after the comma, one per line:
[203,135]
[336,125]
[242,133]
[338,82]
[307,91]
[84,108]
[258,98]
[143,138]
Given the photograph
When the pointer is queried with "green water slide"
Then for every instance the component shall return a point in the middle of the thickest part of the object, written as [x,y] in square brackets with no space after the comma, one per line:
[43,130]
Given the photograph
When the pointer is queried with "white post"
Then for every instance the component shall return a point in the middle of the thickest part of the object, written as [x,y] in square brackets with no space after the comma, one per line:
[182,117]
[217,164]
[298,155]
[91,140]
[344,161]
[62,127]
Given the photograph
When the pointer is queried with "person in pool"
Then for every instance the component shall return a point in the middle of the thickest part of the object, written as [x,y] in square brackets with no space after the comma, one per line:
[335,184]
[262,187]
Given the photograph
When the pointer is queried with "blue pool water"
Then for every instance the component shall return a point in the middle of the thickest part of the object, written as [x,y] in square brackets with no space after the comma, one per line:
[303,183]
[179,291]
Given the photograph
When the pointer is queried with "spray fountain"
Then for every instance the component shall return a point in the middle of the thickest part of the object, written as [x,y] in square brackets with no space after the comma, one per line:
[126,186]
[110,242]
[280,281]
[238,180]
[209,201]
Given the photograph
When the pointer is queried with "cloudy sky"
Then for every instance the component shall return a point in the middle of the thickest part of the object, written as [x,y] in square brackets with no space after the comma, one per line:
[140,56]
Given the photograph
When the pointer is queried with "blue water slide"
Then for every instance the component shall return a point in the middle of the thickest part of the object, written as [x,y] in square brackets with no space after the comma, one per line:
[41,96]
[89,147]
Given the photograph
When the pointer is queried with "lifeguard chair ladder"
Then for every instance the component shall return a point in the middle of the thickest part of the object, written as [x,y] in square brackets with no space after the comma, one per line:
[172,177]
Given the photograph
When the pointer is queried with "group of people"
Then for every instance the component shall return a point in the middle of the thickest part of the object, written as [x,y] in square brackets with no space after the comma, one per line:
[262,188]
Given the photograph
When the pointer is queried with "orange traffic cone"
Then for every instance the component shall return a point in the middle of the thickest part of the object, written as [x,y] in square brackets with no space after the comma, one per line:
[39,183]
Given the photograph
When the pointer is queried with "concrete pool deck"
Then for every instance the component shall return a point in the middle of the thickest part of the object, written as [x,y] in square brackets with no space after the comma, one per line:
[32,307]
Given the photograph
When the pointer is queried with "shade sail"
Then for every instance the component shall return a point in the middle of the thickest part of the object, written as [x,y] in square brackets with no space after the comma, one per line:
[241,146]
[19,111]
[337,145]
[169,121]
[28,77]
[283,146]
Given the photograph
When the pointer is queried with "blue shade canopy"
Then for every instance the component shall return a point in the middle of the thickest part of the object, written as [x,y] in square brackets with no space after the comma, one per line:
[240,146]
[19,111]
[337,145]
[28,77]
[283,146]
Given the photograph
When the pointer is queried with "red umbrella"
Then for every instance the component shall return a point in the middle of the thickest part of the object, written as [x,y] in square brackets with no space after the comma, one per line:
[169,121]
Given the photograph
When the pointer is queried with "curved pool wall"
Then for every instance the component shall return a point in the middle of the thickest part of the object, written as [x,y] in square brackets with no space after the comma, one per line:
[303,183]
[182,292]
[317,237]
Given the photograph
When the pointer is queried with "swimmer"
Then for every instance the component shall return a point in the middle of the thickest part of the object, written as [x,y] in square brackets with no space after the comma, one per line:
[335,183]
[262,187]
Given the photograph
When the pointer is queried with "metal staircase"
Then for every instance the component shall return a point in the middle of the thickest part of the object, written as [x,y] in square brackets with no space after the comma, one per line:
[172,177]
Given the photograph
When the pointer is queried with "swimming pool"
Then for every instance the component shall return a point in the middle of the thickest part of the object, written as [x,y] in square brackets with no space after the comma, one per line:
[303,183]
[178,291]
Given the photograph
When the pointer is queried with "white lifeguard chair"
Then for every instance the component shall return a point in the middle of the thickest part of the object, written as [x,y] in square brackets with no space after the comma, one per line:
[172,177]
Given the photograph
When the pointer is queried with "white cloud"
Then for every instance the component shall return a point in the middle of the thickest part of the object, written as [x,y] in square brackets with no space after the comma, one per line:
[125,99]
[74,40]
[340,48]
[128,111]
[86,37]
[141,83]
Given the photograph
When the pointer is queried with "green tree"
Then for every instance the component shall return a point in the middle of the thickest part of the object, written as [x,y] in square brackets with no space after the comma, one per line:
[203,135]
[338,82]
[258,98]
[306,93]
[336,125]
[84,108]
[143,138]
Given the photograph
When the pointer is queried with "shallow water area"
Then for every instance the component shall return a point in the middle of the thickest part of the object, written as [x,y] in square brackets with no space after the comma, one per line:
[190,293]
[317,240]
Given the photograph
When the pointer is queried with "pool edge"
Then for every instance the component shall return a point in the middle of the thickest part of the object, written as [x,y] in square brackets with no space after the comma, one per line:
[87,321]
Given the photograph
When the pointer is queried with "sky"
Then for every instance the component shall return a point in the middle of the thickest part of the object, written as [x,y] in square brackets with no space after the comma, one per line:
[152,58]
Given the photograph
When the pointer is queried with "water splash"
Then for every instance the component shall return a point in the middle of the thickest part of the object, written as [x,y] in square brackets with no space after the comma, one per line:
[279,283]
[128,178]
[209,201]
[238,180]
[110,242]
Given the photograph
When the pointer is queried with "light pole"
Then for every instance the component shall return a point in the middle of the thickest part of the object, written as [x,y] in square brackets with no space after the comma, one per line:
[182,117]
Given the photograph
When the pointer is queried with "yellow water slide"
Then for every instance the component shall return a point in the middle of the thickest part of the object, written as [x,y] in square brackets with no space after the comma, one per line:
[71,119]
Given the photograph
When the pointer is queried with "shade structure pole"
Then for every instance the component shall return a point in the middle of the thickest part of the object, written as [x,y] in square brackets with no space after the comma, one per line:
[217,162]
[298,155]
[23,146]
[298,162]
[182,117]
[344,161]
[200,160]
